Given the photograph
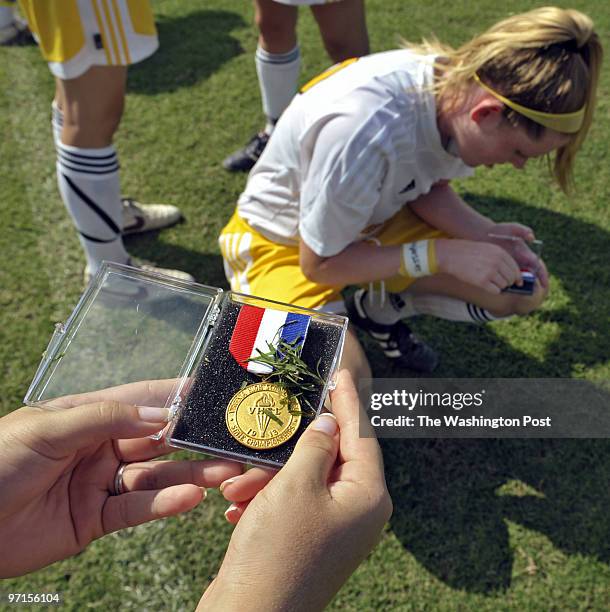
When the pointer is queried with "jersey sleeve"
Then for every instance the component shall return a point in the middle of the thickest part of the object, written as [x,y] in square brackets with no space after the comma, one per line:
[342,183]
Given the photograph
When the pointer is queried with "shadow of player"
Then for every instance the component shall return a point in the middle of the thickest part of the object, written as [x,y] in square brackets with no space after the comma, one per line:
[452,498]
[191,48]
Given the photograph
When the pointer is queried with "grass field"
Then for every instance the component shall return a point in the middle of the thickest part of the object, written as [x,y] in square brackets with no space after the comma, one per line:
[490,525]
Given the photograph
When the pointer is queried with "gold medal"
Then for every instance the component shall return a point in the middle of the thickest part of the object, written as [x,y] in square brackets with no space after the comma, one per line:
[249,419]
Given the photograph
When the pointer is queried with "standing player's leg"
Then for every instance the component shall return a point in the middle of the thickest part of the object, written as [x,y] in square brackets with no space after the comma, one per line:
[343,28]
[137,217]
[87,113]
[87,162]
[88,52]
[278,63]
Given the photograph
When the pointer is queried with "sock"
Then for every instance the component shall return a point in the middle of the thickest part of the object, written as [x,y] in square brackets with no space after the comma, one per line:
[57,122]
[6,16]
[89,185]
[278,74]
[402,305]
[449,308]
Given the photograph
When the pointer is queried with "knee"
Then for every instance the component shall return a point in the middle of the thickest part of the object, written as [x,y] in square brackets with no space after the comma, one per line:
[93,126]
[521,305]
[339,50]
[276,33]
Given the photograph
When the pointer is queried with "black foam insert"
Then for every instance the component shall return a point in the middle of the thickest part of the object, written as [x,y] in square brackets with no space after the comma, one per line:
[201,423]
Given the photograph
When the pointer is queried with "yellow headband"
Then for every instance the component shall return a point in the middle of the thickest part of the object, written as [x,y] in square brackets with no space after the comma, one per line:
[568,123]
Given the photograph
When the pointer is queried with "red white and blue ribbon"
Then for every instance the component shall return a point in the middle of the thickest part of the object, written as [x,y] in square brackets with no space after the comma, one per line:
[258,330]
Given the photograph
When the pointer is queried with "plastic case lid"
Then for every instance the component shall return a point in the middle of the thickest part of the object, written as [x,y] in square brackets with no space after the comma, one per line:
[129,325]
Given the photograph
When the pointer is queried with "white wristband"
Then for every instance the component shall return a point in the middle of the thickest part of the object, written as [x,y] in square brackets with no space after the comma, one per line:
[415,259]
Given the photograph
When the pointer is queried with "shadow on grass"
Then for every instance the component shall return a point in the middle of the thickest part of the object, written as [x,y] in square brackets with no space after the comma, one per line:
[452,498]
[191,48]
[207,268]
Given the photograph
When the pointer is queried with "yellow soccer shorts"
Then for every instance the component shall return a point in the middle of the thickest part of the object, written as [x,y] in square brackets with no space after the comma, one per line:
[74,35]
[258,266]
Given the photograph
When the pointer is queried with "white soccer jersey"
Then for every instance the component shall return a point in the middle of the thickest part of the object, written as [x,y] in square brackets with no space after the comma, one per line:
[349,153]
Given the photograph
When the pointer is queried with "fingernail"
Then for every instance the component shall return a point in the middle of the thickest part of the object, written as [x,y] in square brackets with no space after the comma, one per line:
[326,423]
[205,492]
[153,415]
[226,483]
[229,511]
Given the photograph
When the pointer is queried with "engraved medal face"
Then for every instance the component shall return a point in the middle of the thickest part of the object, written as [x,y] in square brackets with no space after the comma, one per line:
[249,420]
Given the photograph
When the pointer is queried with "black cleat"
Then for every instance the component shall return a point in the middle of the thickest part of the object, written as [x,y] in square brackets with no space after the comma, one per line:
[245,158]
[16,34]
[399,344]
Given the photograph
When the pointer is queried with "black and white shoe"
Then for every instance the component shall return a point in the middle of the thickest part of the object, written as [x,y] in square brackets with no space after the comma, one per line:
[397,341]
[243,159]
[138,218]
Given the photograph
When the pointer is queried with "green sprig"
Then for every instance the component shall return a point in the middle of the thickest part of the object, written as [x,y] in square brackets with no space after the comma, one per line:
[290,372]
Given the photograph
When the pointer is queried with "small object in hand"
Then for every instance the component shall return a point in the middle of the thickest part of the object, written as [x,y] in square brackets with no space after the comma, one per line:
[527,288]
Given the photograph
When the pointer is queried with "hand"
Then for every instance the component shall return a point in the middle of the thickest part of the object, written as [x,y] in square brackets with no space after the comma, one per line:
[301,536]
[481,264]
[519,249]
[57,472]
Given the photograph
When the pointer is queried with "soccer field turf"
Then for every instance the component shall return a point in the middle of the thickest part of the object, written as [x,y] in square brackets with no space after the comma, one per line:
[485,524]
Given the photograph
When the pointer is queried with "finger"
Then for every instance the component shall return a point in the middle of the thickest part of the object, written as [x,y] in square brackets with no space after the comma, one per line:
[500,281]
[527,258]
[153,475]
[130,509]
[142,449]
[523,231]
[245,487]
[512,268]
[315,453]
[510,276]
[66,431]
[144,393]
[354,447]
[235,511]
[490,287]
[542,274]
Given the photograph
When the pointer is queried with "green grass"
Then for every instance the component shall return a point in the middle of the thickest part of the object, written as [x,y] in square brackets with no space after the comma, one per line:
[479,524]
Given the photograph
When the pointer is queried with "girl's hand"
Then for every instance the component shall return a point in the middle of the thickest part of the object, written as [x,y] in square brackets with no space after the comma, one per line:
[303,530]
[514,238]
[57,472]
[481,264]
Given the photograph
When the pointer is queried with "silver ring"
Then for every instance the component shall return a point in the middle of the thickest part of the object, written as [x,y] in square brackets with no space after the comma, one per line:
[119,489]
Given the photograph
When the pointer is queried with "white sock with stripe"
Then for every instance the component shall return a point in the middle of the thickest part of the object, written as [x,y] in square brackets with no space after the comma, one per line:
[448,308]
[88,181]
[278,75]
[399,306]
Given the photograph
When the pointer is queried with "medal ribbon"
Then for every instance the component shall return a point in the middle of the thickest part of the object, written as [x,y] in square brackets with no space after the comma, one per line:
[258,330]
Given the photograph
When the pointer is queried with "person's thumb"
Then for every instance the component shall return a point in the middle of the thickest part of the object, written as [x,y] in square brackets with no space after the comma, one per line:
[316,452]
[65,431]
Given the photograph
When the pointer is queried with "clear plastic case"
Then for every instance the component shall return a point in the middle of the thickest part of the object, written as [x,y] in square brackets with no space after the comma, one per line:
[131,325]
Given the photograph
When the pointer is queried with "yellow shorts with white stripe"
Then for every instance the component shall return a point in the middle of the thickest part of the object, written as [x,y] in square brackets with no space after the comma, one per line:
[258,266]
[74,35]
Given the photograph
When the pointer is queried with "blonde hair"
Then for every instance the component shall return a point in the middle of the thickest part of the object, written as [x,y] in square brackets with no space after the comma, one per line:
[547,59]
